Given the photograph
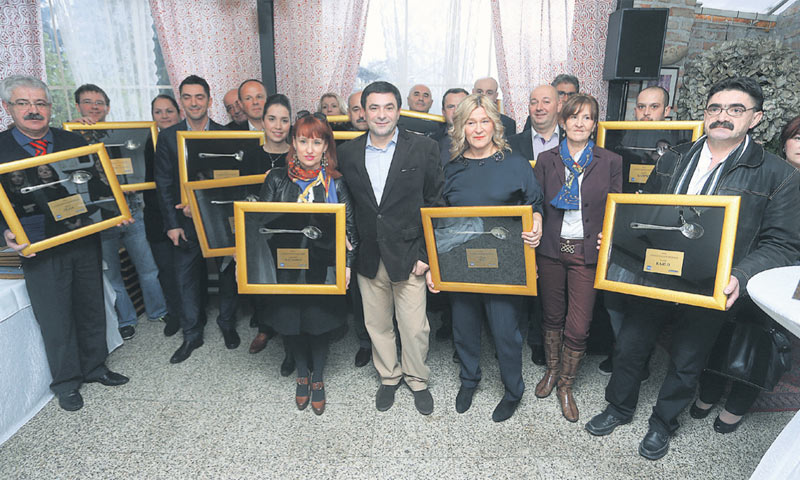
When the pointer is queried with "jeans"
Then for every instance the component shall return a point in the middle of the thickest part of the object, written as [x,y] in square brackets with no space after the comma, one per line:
[133,238]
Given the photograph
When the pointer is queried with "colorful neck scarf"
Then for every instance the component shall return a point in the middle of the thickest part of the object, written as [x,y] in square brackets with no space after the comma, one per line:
[308,179]
[568,198]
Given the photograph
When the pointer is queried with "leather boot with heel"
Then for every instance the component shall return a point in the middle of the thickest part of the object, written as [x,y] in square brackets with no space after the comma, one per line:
[570,359]
[552,354]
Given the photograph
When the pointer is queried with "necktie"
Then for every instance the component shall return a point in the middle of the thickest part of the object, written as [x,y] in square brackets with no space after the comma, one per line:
[40,146]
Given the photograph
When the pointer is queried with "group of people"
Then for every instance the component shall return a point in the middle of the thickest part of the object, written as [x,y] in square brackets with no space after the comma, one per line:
[383,178]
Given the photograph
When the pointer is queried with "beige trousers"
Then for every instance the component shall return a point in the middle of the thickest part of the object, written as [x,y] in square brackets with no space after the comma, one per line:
[406,300]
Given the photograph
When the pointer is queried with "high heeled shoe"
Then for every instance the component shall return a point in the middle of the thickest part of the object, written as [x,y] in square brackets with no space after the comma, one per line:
[699,413]
[723,427]
[301,393]
[317,391]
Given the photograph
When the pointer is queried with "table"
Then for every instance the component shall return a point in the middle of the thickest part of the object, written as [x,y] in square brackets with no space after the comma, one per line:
[772,291]
[24,373]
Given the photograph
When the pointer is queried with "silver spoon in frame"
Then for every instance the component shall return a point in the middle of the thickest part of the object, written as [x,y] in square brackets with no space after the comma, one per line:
[310,231]
[238,156]
[129,144]
[692,231]
[249,198]
[77,177]
[497,232]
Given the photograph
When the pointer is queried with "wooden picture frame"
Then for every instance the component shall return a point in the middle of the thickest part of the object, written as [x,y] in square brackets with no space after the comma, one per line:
[250,253]
[77,159]
[691,267]
[480,260]
[139,143]
[210,246]
[228,164]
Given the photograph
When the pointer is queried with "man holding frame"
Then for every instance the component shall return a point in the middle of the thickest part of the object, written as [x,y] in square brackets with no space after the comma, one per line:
[64,283]
[727,161]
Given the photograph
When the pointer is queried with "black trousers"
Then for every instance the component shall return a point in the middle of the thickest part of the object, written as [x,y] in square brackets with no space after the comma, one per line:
[164,255]
[534,320]
[65,285]
[503,313]
[189,270]
[357,307]
[228,294]
[741,397]
[694,331]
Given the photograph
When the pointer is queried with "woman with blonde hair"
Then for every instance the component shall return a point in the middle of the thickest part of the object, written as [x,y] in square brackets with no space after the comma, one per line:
[332,104]
[483,171]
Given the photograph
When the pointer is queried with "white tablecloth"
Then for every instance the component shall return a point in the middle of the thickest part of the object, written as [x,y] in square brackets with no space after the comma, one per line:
[772,291]
[24,374]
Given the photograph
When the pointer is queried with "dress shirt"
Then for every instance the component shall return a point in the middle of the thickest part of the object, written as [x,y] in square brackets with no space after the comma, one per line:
[24,141]
[572,225]
[703,170]
[205,128]
[377,161]
[541,144]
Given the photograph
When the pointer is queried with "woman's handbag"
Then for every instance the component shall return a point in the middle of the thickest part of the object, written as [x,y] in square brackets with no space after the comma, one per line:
[751,353]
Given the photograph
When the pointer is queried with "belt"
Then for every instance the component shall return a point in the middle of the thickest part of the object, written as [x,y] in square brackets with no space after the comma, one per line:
[568,245]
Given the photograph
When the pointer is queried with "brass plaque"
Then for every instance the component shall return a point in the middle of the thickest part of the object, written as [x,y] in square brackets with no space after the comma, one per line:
[666,262]
[122,166]
[639,173]
[220,174]
[293,258]
[67,207]
[481,258]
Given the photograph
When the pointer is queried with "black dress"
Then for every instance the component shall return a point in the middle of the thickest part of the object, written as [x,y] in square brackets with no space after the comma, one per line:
[307,314]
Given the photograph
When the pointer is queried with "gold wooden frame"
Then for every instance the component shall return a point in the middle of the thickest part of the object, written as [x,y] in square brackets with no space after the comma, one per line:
[422,116]
[191,187]
[724,262]
[184,135]
[239,210]
[347,135]
[523,211]
[130,187]
[11,216]
[696,126]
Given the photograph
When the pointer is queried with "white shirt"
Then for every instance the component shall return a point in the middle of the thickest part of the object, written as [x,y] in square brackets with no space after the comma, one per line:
[704,170]
[572,224]
[377,162]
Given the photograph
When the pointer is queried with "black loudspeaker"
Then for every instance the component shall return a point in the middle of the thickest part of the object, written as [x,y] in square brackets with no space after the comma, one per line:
[635,43]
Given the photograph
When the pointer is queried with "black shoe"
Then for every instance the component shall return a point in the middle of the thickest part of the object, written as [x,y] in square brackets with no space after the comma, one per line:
[172,326]
[699,413]
[231,338]
[723,428]
[185,350]
[70,401]
[287,366]
[537,354]
[423,400]
[464,398]
[127,332]
[654,445]
[604,423]
[384,399]
[363,355]
[444,332]
[504,410]
[110,379]
[455,357]
[606,367]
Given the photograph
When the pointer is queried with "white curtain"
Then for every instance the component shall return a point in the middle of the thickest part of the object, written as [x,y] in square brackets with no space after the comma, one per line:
[443,45]
[110,43]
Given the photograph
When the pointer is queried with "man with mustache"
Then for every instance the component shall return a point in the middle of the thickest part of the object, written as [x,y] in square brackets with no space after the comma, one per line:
[64,283]
[727,161]
[420,99]
[356,112]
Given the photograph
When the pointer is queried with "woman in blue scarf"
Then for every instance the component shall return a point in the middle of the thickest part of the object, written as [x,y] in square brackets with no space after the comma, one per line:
[576,177]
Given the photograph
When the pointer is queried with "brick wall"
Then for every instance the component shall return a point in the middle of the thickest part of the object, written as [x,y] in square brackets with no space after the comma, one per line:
[788,26]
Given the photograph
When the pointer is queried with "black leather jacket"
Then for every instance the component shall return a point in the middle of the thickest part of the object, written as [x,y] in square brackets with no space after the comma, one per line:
[768,231]
[278,187]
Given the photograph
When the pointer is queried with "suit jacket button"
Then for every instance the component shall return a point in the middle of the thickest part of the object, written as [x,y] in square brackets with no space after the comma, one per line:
[380,216]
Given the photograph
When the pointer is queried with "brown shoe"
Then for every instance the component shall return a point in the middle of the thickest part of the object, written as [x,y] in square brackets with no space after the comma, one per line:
[552,356]
[301,393]
[259,343]
[570,359]
[317,391]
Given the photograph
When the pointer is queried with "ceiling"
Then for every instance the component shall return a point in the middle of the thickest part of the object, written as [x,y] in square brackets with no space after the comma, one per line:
[754,6]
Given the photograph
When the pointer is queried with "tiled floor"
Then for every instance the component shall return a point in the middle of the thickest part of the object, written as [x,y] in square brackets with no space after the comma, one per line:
[229,414]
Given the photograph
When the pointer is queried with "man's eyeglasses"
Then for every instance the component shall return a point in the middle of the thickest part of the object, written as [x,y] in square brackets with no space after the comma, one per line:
[99,103]
[317,115]
[733,110]
[562,93]
[24,104]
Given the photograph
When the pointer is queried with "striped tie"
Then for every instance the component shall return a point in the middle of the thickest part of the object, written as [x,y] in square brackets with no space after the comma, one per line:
[40,146]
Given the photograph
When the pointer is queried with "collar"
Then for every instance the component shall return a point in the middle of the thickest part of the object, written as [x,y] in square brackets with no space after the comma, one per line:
[206,128]
[250,126]
[391,143]
[535,134]
[24,140]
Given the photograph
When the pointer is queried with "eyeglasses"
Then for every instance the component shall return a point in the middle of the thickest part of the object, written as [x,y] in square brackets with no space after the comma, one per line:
[733,110]
[562,93]
[24,104]
[99,103]
[317,115]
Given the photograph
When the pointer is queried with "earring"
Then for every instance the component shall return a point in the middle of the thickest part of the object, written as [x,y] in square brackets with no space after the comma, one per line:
[324,161]
[296,160]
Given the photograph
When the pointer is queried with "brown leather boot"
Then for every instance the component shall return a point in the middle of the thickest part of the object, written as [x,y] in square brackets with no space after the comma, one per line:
[570,359]
[552,356]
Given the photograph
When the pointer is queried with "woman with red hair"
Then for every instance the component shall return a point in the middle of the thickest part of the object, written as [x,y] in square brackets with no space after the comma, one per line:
[306,321]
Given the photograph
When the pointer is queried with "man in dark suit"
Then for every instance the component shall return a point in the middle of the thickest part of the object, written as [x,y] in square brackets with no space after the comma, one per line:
[234,109]
[195,98]
[391,174]
[488,86]
[65,282]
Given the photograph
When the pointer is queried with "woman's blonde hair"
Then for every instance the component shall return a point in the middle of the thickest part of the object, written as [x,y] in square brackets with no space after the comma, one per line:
[339,100]
[458,142]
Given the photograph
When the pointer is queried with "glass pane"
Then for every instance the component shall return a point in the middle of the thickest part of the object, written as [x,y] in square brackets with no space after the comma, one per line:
[126,149]
[640,149]
[216,212]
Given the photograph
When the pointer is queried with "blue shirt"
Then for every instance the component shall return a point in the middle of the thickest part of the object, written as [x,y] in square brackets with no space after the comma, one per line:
[377,162]
[24,141]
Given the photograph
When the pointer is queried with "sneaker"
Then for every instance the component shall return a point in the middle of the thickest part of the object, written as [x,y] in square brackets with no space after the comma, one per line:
[127,332]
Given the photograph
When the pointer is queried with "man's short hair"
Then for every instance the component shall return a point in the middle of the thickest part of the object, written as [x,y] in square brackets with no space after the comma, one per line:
[747,85]
[8,85]
[664,93]
[380,87]
[239,90]
[195,80]
[89,87]
[453,90]
[566,78]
